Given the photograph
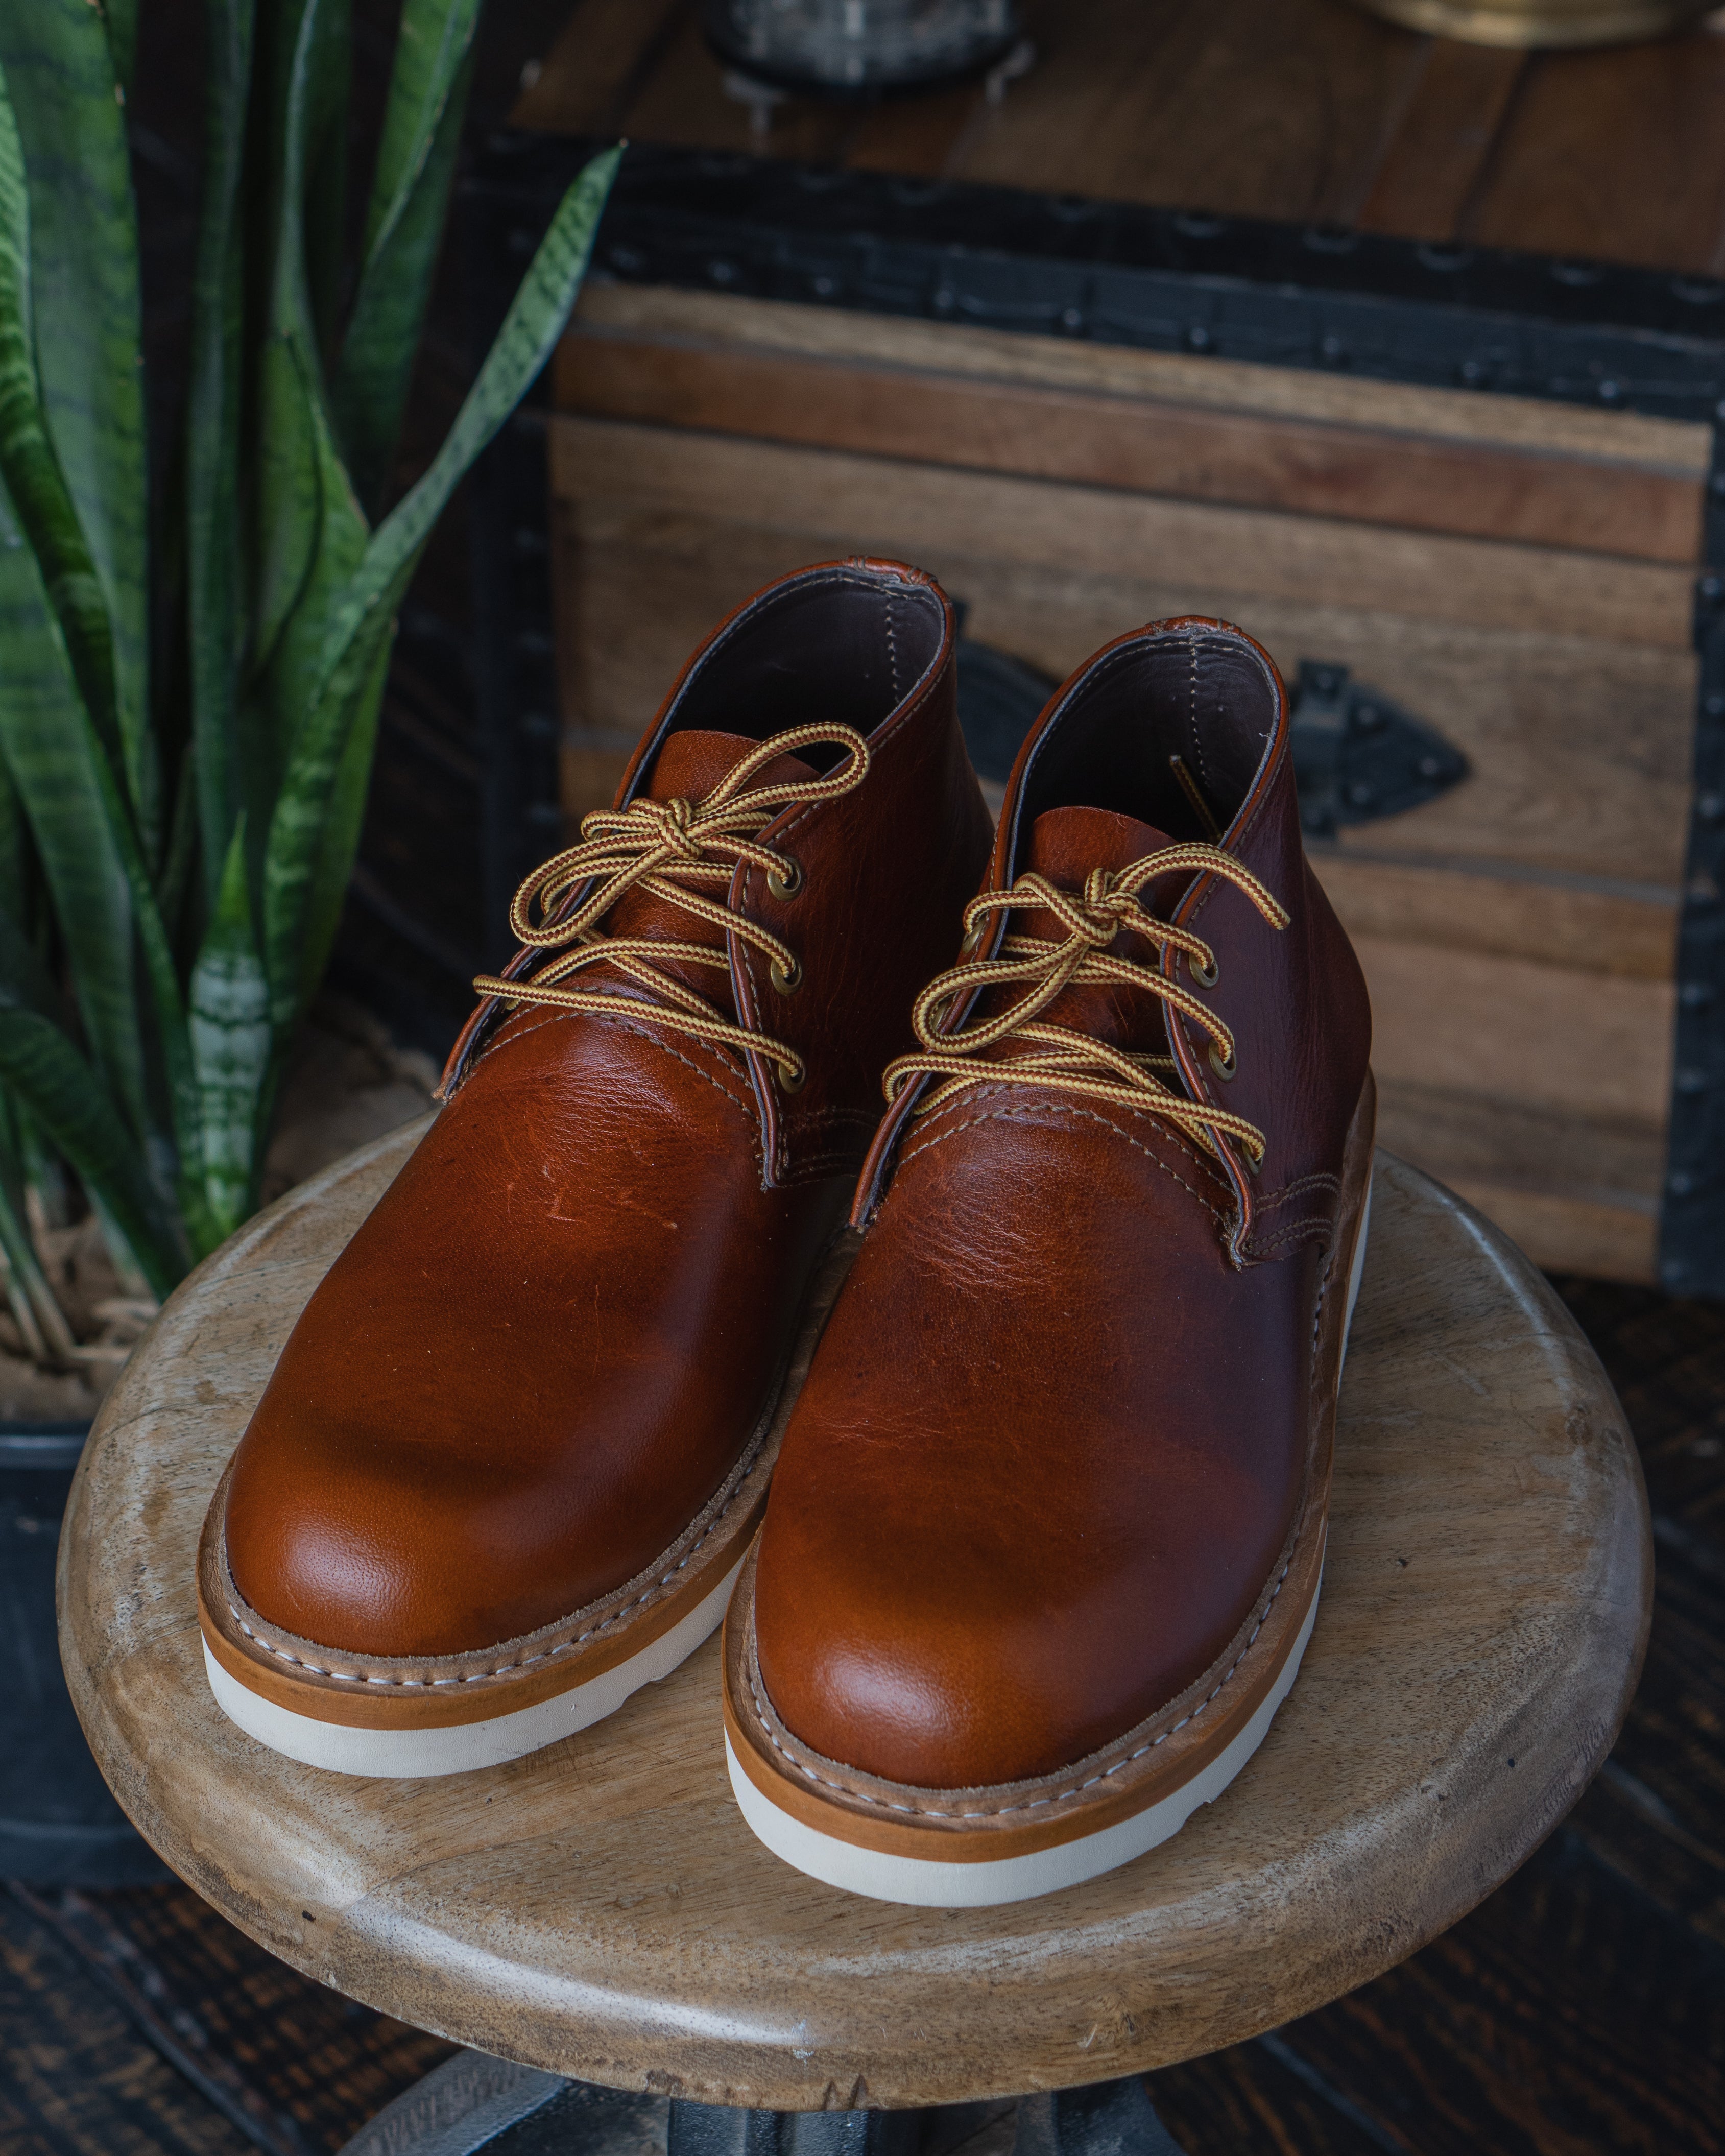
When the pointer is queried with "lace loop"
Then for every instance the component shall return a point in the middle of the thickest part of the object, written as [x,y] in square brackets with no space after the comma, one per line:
[666,850]
[1055,1055]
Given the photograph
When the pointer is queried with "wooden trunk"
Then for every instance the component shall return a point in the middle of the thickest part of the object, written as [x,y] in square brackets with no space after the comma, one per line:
[1519,575]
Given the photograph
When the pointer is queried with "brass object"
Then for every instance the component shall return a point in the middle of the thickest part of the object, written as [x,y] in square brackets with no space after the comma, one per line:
[1544,22]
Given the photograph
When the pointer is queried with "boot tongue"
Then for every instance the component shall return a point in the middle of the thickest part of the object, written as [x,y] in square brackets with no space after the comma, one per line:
[691,765]
[1065,845]
[688,767]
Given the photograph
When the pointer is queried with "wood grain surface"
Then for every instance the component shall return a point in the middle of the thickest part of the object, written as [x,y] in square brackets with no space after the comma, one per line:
[600,1908]
[1307,109]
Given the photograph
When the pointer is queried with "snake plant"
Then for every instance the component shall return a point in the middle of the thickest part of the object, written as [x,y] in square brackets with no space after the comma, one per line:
[191,659]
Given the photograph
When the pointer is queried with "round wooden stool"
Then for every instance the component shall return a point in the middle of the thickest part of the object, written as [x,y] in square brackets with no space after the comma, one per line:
[599,1909]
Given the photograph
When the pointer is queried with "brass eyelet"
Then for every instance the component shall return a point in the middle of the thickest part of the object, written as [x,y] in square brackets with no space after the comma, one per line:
[786,884]
[786,980]
[1222,1069]
[791,1080]
[1205,980]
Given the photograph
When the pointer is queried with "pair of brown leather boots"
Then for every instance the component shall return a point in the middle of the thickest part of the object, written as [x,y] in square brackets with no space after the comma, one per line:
[1049,1461]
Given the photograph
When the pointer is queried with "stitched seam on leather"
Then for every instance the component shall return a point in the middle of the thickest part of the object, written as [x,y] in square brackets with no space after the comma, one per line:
[1030,1803]
[1302,1186]
[1323,1289]
[1196,738]
[652,1040]
[1059,1108]
[893,650]
[941,1115]
[523,1661]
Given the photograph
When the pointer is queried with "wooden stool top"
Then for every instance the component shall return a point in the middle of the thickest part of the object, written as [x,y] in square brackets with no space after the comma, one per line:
[600,1908]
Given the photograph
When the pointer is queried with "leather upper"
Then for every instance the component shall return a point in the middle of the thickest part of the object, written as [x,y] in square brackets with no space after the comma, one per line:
[1055,1433]
[560,1327]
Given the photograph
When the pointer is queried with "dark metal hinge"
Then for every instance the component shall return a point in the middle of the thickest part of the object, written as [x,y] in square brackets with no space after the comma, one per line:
[1358,756]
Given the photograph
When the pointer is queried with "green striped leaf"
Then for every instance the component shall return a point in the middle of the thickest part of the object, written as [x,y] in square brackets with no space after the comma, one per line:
[404,223]
[47,1335]
[362,620]
[213,565]
[41,1068]
[55,769]
[83,260]
[231,1042]
[28,464]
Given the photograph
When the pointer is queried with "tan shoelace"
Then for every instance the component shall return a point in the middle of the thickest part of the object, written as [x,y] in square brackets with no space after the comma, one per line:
[1055,1055]
[668,849]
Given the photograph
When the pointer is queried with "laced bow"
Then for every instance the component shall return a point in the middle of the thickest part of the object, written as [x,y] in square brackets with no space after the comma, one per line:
[668,849]
[1055,1055]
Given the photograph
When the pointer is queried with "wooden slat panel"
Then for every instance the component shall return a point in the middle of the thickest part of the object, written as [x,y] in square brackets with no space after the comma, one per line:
[1572,1043]
[1571,924]
[883,504]
[1190,452]
[1578,1194]
[713,320]
[1618,155]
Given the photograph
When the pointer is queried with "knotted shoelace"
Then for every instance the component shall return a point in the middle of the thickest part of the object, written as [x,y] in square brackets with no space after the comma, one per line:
[1054,1055]
[669,850]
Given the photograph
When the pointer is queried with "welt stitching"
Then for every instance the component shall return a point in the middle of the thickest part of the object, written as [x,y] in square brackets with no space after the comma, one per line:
[1055,1108]
[623,1025]
[524,1661]
[1030,1803]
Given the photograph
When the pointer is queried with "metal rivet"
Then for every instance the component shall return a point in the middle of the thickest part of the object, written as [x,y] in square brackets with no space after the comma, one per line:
[1361,795]
[1368,718]
[1709,807]
[1071,319]
[1714,706]
[1199,337]
[1690,1081]
[1710,590]
[1695,995]
[1681,1184]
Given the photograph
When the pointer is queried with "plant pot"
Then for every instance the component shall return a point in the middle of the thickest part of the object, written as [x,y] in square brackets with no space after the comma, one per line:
[1544,22]
[58,1825]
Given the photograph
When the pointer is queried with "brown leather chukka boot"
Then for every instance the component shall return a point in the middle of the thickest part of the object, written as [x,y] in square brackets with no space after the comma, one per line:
[1044,1546]
[517,1444]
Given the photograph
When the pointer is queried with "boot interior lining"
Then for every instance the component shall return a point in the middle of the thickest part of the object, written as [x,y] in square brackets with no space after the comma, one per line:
[1162,730]
[841,646]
